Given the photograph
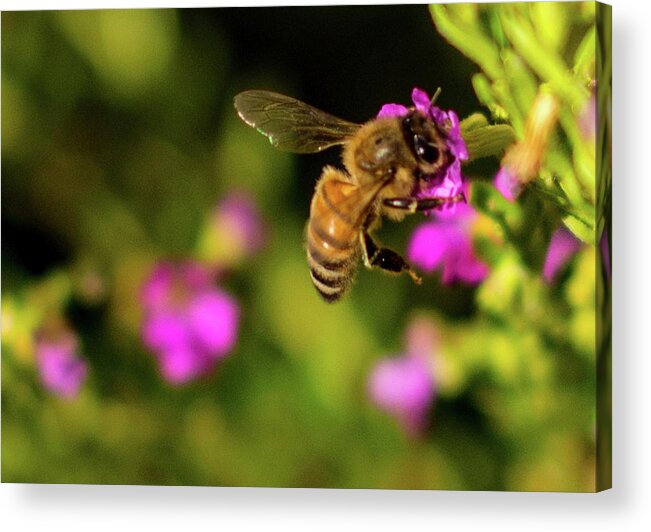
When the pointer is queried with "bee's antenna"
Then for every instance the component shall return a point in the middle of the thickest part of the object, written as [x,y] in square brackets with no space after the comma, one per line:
[436,95]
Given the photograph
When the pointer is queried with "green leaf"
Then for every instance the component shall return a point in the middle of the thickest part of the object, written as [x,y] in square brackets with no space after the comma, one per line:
[584,58]
[580,229]
[550,21]
[488,141]
[467,37]
[522,82]
[474,121]
[546,63]
[484,140]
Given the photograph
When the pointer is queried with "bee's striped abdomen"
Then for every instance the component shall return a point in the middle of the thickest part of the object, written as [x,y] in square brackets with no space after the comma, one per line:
[333,235]
[331,279]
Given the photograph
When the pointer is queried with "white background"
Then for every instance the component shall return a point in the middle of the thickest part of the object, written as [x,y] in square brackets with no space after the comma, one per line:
[625,507]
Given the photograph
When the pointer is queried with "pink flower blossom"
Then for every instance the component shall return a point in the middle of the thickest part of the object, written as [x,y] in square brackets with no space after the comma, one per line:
[190,324]
[61,370]
[508,184]
[562,247]
[404,386]
[234,232]
[238,219]
[445,244]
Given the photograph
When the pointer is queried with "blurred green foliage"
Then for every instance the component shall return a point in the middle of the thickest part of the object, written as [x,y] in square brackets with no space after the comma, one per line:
[119,138]
[525,49]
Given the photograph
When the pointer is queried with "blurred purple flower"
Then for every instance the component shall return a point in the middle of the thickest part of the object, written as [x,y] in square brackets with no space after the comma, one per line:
[61,370]
[189,323]
[447,182]
[508,184]
[562,247]
[237,218]
[446,243]
[404,385]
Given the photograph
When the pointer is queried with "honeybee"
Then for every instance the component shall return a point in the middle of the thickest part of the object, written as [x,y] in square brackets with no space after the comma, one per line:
[387,162]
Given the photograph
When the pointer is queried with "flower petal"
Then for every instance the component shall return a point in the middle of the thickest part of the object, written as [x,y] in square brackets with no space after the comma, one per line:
[446,184]
[455,141]
[404,387]
[194,276]
[507,183]
[156,290]
[428,246]
[392,109]
[446,242]
[62,372]
[562,247]
[183,364]
[164,330]
[463,266]
[238,220]
[213,318]
[421,101]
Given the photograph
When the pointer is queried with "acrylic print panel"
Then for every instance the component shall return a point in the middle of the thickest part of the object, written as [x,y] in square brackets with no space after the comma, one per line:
[181,306]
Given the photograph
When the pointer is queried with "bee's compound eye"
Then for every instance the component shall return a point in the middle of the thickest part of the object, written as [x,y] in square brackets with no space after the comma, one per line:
[426,151]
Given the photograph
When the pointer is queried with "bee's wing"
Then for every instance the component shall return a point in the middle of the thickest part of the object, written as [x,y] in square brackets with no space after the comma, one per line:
[290,124]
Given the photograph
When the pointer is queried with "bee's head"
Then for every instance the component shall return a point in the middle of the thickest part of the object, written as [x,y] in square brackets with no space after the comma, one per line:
[381,151]
[426,142]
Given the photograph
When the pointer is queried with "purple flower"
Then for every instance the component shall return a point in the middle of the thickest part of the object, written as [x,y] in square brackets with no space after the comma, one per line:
[189,323]
[446,243]
[389,110]
[562,248]
[61,370]
[447,182]
[238,216]
[404,385]
[235,231]
[508,184]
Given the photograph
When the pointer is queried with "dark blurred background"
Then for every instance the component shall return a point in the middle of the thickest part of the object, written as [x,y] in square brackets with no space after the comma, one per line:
[347,60]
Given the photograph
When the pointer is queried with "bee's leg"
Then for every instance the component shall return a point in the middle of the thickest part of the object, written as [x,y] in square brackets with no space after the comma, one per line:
[384,258]
[422,204]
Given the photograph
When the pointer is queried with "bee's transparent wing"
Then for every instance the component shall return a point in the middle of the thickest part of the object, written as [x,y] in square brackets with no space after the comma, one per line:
[290,124]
